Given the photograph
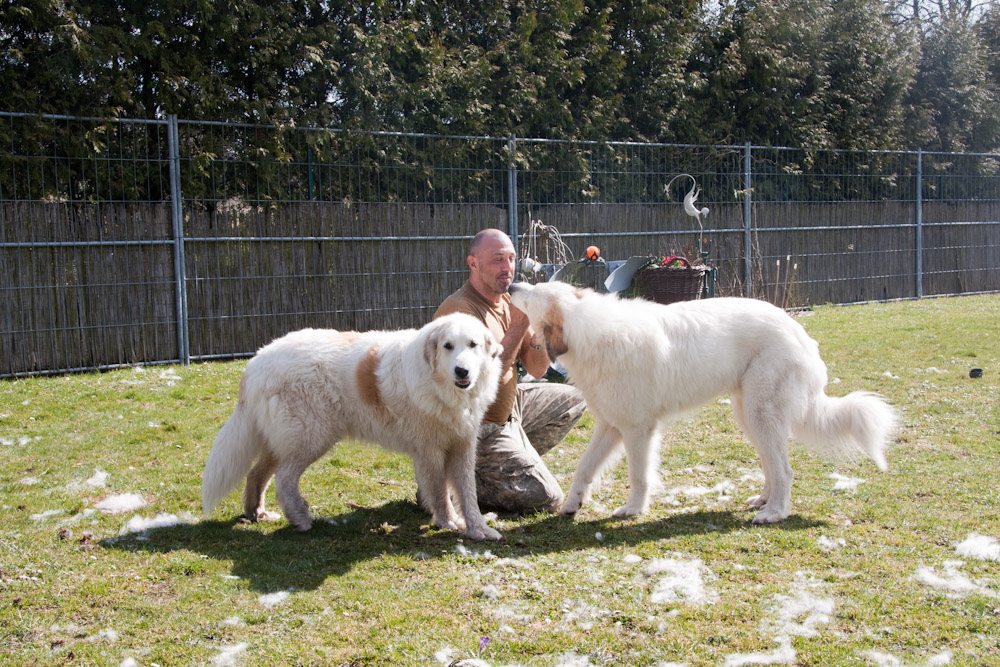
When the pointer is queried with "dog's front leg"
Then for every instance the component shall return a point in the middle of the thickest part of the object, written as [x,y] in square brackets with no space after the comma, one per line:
[431,482]
[602,447]
[642,450]
[460,468]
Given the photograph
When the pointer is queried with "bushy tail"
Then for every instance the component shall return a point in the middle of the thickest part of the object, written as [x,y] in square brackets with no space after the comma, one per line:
[848,427]
[236,448]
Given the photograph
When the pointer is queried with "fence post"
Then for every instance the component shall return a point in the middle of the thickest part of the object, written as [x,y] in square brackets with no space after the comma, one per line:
[512,190]
[177,220]
[747,257]
[920,224]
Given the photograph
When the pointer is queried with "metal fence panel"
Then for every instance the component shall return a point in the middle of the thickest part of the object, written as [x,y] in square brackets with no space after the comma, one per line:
[126,242]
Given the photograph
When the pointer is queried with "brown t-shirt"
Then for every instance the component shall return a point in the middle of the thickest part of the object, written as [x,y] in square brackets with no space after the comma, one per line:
[496,317]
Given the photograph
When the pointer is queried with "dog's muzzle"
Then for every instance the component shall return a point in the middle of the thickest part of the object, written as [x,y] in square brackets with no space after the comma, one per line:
[462,378]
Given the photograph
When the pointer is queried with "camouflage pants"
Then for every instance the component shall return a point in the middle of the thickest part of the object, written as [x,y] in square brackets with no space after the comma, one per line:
[510,473]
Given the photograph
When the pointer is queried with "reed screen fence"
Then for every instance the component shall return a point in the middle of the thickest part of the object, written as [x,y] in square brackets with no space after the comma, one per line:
[135,242]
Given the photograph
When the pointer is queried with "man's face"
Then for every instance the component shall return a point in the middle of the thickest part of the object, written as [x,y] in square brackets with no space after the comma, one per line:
[492,267]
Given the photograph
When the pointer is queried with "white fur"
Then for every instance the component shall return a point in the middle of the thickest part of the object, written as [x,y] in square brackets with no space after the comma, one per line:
[639,363]
[306,391]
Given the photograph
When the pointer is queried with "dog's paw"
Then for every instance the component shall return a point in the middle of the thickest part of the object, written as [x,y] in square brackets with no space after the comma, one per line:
[449,524]
[757,502]
[570,508]
[769,515]
[482,533]
[302,526]
[627,511]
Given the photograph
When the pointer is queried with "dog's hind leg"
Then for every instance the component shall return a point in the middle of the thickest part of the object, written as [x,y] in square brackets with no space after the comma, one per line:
[766,425]
[287,475]
[257,482]
[758,501]
[604,443]
[641,450]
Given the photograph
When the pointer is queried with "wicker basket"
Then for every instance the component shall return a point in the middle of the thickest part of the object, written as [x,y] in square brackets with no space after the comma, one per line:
[669,285]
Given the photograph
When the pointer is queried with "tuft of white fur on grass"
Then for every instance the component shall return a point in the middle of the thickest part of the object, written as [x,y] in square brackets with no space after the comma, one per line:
[954,583]
[582,613]
[20,440]
[882,659]
[99,478]
[572,659]
[140,524]
[28,481]
[979,546]
[103,635]
[887,660]
[683,581]
[463,550]
[227,657]
[129,662]
[449,656]
[842,483]
[47,514]
[799,613]
[632,558]
[783,655]
[234,621]
[828,544]
[489,592]
[120,503]
[514,611]
[270,600]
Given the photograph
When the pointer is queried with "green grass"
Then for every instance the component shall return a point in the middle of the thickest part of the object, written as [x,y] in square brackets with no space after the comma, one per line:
[376,585]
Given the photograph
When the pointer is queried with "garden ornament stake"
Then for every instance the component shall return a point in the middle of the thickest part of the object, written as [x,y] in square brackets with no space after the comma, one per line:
[704,245]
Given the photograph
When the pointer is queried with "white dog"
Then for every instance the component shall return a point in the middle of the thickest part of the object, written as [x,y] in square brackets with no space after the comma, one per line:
[420,392]
[638,363]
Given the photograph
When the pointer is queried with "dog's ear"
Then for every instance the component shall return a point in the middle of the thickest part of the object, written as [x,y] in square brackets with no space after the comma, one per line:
[431,344]
[552,331]
[555,341]
[495,349]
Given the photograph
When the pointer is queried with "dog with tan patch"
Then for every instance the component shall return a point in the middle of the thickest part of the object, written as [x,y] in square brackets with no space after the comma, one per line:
[421,392]
[640,363]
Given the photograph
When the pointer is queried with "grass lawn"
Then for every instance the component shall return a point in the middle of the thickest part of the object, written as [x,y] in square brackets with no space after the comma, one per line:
[896,568]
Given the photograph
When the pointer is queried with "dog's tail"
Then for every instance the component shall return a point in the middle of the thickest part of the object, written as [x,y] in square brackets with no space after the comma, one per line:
[855,425]
[236,448]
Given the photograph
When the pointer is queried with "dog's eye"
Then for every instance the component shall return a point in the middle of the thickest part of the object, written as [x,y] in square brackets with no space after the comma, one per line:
[473,343]
[449,346]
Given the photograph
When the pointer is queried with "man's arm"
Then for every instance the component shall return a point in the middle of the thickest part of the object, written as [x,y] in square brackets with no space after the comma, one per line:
[517,345]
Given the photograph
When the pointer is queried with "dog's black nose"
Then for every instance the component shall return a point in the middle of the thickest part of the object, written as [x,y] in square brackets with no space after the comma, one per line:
[461,373]
[513,287]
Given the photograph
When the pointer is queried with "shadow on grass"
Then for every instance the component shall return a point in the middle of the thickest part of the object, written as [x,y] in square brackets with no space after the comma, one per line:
[273,557]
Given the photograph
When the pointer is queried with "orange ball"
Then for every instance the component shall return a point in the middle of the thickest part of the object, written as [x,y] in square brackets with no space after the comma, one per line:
[593,252]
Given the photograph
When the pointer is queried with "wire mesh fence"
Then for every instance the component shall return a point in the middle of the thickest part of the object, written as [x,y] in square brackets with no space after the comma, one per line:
[126,242]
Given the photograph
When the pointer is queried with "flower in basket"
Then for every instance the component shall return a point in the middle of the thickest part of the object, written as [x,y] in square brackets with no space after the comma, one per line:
[675,262]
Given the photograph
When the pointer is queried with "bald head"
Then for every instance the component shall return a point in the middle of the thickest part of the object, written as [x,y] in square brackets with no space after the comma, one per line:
[488,239]
[491,263]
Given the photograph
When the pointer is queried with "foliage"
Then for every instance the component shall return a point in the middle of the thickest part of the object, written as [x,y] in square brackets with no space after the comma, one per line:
[871,74]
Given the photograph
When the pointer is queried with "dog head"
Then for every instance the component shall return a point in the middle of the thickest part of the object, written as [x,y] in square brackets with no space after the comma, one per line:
[545,305]
[462,352]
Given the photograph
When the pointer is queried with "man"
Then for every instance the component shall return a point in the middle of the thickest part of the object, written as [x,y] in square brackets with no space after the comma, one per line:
[526,420]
